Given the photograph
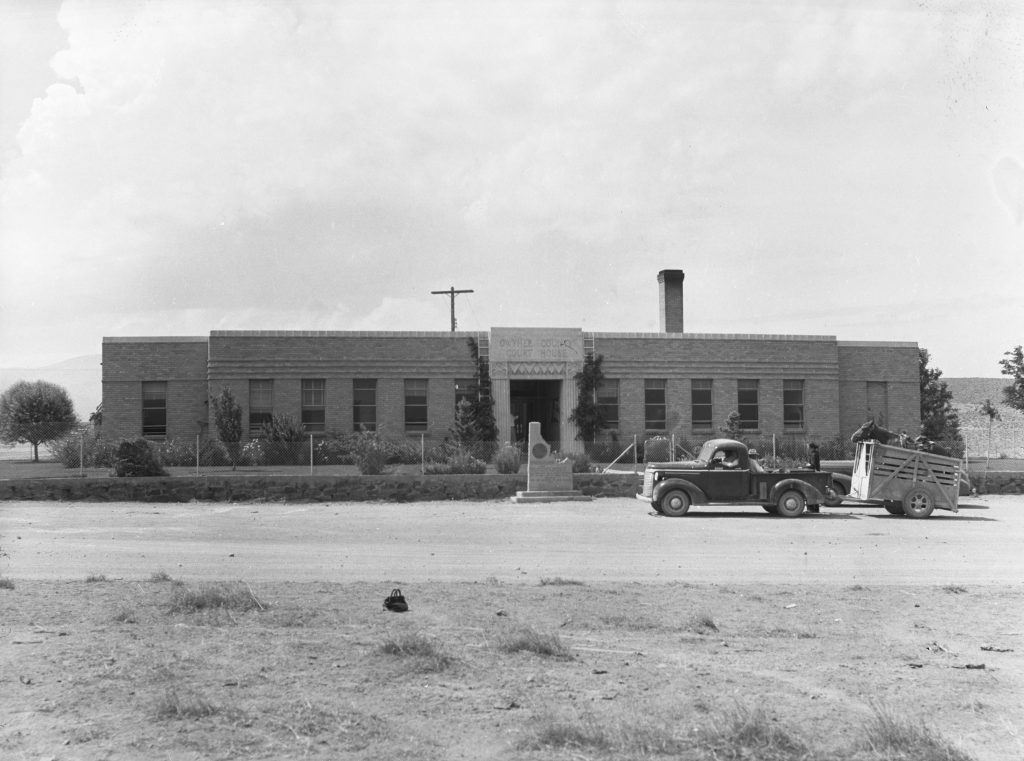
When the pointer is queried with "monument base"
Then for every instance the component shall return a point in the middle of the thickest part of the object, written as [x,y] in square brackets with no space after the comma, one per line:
[523,497]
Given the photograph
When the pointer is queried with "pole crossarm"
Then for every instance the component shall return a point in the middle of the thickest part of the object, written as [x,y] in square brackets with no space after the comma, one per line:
[451,293]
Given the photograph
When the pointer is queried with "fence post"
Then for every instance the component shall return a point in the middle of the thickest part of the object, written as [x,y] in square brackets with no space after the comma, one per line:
[423,456]
[81,455]
[197,455]
[634,454]
[310,454]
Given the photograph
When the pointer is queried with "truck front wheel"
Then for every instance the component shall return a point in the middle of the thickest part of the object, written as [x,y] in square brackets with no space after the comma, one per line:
[675,503]
[918,503]
[791,504]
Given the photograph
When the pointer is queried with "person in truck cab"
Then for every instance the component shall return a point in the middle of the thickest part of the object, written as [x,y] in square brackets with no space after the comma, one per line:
[726,459]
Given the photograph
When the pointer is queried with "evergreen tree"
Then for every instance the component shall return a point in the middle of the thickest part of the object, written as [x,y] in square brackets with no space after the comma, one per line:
[939,420]
[227,416]
[1013,366]
[587,416]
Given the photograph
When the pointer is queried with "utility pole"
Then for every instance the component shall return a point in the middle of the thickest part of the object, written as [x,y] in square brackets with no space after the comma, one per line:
[451,292]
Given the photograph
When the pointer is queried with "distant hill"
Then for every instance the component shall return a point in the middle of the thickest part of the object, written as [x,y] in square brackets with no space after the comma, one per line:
[81,376]
[969,394]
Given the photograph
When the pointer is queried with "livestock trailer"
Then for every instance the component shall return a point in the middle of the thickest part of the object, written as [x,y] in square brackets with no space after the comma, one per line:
[907,482]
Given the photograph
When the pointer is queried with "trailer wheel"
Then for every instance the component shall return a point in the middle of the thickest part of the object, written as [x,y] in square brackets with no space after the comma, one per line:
[893,508]
[918,503]
[791,504]
[675,503]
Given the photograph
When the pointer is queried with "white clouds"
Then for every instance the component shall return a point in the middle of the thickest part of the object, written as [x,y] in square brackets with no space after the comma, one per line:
[220,160]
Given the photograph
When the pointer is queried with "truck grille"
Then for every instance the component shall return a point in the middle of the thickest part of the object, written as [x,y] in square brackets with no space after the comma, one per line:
[648,483]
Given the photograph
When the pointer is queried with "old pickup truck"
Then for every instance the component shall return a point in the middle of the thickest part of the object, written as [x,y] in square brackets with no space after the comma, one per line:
[724,473]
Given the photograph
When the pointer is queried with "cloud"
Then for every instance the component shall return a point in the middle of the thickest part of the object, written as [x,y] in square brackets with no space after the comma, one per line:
[236,162]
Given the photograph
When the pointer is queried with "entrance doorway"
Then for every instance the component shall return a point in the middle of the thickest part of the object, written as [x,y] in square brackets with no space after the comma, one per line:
[535,401]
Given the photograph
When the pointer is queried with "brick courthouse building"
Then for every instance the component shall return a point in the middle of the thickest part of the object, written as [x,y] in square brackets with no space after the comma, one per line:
[801,388]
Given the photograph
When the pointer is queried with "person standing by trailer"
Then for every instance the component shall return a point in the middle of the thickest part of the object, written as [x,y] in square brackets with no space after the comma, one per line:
[814,457]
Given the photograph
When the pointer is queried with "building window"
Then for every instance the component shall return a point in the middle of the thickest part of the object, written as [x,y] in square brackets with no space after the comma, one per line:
[793,404]
[654,404]
[608,401]
[261,405]
[700,403]
[416,404]
[364,404]
[314,405]
[746,404]
[466,390]
[154,408]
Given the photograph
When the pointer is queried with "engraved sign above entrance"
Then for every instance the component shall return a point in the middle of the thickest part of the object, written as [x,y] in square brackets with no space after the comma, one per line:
[544,348]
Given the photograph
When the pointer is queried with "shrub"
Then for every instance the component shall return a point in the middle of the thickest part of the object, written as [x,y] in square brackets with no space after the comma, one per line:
[371,454]
[580,462]
[457,464]
[177,452]
[136,458]
[508,460]
[71,451]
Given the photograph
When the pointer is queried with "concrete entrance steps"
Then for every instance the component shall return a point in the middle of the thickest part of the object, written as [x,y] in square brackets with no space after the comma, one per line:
[551,496]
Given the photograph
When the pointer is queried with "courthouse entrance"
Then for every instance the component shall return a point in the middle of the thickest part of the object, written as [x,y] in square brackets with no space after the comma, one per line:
[536,401]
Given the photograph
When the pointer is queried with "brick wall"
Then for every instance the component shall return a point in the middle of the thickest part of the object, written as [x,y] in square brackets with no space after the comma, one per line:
[724,360]
[894,364]
[286,357]
[180,362]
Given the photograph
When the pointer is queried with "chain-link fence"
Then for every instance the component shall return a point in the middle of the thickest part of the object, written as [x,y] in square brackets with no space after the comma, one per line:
[80,449]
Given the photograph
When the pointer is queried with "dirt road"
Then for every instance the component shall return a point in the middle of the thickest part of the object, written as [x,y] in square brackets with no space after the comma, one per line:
[606,540]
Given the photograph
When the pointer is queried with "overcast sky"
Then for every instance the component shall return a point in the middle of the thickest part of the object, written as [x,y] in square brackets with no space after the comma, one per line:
[850,169]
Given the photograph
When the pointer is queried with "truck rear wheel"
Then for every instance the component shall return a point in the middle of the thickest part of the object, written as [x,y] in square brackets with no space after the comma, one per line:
[675,503]
[893,508]
[791,504]
[918,503]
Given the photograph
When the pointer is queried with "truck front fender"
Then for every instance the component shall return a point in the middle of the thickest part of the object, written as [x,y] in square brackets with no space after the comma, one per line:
[811,494]
[696,494]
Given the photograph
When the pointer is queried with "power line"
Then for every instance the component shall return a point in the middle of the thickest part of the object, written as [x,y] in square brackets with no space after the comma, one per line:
[451,293]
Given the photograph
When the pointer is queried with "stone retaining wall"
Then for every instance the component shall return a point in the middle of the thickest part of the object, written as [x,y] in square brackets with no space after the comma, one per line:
[998,483]
[298,488]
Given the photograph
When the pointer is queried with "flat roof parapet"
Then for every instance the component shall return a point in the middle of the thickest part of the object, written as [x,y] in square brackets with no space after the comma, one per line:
[154,339]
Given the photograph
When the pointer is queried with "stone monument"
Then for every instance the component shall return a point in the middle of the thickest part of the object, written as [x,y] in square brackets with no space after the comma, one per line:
[547,479]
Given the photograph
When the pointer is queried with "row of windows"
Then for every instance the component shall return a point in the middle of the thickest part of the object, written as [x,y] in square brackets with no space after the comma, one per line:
[701,408]
[364,404]
[313,415]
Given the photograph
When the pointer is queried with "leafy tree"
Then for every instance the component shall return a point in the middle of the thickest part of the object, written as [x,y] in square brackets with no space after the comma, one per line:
[939,420]
[1013,366]
[992,412]
[587,416]
[227,416]
[34,413]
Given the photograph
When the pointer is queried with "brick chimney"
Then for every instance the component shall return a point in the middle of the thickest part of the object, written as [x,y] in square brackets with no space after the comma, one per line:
[670,300]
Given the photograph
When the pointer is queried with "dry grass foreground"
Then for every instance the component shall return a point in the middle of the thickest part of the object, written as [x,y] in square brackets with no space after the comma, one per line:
[159,669]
